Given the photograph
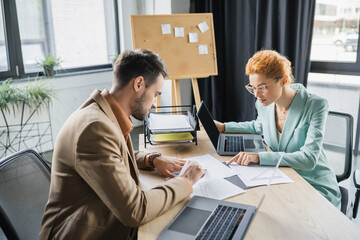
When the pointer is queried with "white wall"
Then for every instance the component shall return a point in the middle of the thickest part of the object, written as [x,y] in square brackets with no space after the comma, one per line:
[126,9]
[71,92]
[180,6]
[183,6]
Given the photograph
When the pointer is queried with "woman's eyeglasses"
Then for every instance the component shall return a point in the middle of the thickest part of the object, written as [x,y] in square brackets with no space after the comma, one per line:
[260,90]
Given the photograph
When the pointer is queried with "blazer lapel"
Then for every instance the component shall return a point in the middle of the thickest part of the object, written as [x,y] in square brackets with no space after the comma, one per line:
[274,142]
[292,119]
[99,99]
[131,154]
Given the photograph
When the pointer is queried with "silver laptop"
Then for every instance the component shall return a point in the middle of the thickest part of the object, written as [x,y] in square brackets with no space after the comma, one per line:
[206,218]
[228,144]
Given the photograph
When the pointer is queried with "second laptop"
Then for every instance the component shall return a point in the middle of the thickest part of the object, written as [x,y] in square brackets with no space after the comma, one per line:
[228,144]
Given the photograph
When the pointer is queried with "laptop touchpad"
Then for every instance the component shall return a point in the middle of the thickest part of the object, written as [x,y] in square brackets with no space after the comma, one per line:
[253,144]
[190,221]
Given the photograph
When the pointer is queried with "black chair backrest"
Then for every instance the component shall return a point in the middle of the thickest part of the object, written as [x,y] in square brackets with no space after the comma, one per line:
[338,143]
[24,191]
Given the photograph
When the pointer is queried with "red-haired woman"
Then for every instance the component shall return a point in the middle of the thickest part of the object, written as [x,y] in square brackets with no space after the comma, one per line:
[291,120]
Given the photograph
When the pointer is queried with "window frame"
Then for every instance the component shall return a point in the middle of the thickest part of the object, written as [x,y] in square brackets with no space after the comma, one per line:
[342,68]
[13,45]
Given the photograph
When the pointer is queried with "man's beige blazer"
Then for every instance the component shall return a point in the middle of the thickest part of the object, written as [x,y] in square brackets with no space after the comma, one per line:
[95,191]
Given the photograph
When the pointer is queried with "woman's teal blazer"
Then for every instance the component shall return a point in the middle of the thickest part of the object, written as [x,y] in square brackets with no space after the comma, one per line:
[300,142]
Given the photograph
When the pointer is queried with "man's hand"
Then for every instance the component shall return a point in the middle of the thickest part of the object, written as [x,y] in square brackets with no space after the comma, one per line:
[220,126]
[245,158]
[167,165]
[192,172]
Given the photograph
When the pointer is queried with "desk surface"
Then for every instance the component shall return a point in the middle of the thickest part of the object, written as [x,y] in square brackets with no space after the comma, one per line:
[289,211]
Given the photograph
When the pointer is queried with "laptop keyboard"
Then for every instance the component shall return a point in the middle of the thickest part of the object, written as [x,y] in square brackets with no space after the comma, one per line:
[222,223]
[233,143]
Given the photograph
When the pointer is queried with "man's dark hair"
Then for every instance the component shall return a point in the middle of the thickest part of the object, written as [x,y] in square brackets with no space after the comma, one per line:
[140,62]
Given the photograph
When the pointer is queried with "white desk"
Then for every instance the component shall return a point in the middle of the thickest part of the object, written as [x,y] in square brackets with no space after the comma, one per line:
[290,211]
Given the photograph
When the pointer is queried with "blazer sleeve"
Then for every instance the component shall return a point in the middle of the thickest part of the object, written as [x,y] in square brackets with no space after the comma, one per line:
[101,166]
[140,159]
[251,127]
[307,157]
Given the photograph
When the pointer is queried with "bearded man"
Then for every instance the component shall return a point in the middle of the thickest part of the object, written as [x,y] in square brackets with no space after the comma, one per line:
[95,191]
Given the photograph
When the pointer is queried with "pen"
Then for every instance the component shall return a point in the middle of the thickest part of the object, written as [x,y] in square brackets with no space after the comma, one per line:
[267,170]
[182,170]
[230,161]
[226,164]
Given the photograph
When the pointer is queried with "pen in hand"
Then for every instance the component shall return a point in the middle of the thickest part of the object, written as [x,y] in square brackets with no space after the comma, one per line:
[231,160]
[184,167]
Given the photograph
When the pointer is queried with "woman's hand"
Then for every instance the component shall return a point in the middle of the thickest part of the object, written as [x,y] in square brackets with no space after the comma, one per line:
[245,158]
[220,126]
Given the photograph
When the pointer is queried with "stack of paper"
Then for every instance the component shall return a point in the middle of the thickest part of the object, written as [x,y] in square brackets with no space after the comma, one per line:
[171,137]
[219,183]
[169,123]
[214,168]
[216,188]
[256,175]
[213,184]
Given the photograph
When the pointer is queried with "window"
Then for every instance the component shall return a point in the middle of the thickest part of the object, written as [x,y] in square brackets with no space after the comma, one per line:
[83,34]
[347,10]
[335,37]
[335,58]
[4,66]
[34,44]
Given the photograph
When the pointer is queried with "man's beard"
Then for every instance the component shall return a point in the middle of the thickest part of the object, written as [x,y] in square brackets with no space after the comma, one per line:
[138,111]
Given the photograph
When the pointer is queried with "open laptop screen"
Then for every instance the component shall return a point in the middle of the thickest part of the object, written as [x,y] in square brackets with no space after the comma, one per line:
[208,123]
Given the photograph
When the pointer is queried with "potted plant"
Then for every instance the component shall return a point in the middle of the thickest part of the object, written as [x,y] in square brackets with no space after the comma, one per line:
[33,94]
[48,64]
[22,123]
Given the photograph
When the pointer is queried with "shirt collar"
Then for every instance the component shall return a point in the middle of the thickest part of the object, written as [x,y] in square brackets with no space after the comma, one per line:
[123,119]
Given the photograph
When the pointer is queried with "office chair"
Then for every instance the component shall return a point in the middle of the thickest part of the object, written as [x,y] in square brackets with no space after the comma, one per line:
[24,191]
[338,145]
[357,194]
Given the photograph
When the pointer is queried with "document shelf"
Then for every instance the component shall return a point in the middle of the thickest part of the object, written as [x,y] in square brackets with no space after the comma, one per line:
[171,125]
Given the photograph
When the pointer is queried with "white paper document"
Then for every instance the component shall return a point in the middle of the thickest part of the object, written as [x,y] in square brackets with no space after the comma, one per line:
[193,37]
[179,32]
[165,28]
[256,175]
[214,168]
[216,188]
[169,122]
[203,27]
[203,49]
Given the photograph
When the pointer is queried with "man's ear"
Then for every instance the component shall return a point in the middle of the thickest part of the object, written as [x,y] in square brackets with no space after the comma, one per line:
[138,83]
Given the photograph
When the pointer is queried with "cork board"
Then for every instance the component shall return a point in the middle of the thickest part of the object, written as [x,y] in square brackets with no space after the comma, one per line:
[181,57]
